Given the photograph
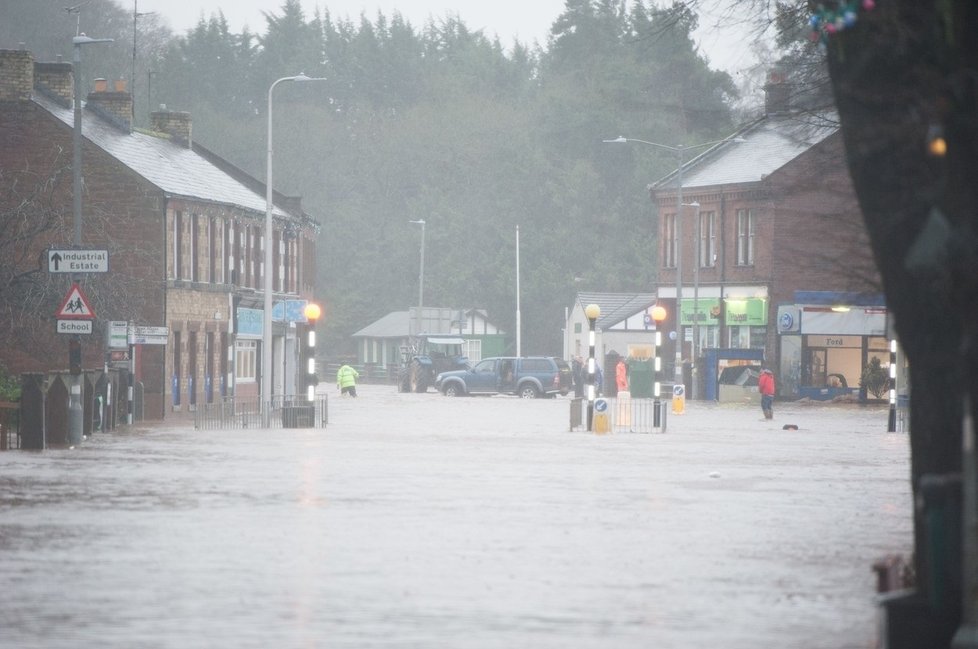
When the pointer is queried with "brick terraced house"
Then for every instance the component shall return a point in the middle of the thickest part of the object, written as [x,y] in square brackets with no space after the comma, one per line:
[775,260]
[184,230]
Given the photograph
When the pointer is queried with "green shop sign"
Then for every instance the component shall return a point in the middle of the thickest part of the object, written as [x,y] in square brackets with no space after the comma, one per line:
[704,311]
[750,312]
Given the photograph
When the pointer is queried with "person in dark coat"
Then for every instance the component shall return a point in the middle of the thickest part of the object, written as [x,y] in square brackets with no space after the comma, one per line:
[577,368]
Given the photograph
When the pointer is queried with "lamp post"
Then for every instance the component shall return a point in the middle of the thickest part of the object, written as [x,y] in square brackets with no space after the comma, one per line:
[679,151]
[132,83]
[420,222]
[266,342]
[592,312]
[519,324]
[76,417]
[696,295]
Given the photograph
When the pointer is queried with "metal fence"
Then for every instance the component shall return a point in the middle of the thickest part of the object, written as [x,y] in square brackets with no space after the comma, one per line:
[244,413]
[623,415]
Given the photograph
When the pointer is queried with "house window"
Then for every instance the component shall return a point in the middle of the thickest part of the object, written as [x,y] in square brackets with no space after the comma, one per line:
[178,245]
[194,247]
[258,257]
[669,241]
[230,250]
[245,360]
[708,240]
[278,277]
[472,349]
[745,237]
[212,250]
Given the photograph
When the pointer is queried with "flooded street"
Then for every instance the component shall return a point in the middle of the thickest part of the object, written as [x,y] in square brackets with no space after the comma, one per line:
[429,522]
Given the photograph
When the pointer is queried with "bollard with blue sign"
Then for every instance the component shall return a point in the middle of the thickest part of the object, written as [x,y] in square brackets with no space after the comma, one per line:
[678,399]
[601,416]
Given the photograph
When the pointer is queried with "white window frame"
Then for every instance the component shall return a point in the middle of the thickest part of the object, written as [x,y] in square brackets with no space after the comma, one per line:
[708,240]
[746,227]
[245,361]
[669,241]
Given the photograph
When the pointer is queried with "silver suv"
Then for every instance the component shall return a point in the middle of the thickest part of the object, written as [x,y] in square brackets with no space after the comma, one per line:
[529,377]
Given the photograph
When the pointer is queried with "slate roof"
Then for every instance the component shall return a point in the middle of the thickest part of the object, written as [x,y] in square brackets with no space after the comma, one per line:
[769,143]
[395,324]
[616,307]
[172,167]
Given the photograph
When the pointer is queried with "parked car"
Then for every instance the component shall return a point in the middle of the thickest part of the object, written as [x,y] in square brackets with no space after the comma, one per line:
[566,376]
[529,377]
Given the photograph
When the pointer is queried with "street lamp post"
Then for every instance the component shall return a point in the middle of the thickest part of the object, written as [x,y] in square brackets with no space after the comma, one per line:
[519,324]
[592,312]
[266,343]
[132,82]
[697,244]
[76,417]
[679,151]
[420,222]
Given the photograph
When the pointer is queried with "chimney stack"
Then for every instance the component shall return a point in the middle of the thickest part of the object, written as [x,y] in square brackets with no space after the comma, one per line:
[777,93]
[175,124]
[57,78]
[117,104]
[16,75]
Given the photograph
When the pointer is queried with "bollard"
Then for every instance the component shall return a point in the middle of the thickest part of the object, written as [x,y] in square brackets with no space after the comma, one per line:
[601,423]
[678,399]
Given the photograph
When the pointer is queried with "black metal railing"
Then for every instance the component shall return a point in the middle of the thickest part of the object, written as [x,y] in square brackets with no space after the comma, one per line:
[623,415]
[246,412]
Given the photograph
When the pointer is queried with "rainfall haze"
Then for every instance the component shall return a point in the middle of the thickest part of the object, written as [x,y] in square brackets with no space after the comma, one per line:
[722,35]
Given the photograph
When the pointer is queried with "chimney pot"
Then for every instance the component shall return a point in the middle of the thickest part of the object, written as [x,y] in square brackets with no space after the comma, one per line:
[101,85]
[120,85]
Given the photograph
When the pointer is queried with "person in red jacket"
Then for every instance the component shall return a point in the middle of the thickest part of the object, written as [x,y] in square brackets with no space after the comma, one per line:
[765,385]
[621,375]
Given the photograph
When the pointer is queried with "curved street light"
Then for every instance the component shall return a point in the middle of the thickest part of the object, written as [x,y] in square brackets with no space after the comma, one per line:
[679,150]
[76,423]
[266,343]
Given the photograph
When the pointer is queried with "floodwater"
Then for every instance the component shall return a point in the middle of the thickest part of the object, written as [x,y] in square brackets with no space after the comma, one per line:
[431,522]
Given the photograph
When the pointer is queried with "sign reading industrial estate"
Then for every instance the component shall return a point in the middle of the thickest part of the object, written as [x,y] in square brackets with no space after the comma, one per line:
[78,261]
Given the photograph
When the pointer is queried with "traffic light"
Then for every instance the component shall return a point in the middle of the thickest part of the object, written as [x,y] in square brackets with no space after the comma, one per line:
[74,357]
[312,313]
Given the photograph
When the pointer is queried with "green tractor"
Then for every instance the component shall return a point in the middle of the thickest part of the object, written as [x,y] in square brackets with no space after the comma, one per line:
[425,358]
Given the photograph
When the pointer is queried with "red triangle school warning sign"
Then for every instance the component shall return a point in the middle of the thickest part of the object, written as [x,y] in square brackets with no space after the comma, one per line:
[75,305]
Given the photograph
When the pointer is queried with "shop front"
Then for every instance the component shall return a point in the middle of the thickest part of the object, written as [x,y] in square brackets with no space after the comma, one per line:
[826,340]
